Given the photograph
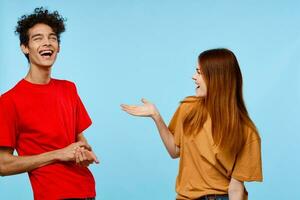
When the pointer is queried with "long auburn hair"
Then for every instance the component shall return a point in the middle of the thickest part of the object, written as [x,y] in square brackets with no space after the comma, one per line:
[224,102]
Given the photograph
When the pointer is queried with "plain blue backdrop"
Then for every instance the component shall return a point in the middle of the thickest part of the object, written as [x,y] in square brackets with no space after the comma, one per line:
[120,51]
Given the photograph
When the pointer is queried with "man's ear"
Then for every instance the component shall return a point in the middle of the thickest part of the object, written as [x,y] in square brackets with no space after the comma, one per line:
[58,50]
[25,49]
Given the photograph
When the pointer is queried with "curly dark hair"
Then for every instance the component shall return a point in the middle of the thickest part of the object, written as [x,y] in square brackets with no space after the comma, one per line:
[43,16]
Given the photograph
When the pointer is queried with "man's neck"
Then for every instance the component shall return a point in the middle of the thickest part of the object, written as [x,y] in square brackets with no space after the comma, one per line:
[38,75]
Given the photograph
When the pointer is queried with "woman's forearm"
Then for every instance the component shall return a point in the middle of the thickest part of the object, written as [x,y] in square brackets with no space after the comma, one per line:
[236,190]
[166,136]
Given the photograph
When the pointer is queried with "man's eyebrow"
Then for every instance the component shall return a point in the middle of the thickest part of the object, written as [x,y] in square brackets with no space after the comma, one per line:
[52,34]
[36,35]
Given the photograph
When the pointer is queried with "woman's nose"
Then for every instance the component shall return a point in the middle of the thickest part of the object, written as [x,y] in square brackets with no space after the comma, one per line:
[194,77]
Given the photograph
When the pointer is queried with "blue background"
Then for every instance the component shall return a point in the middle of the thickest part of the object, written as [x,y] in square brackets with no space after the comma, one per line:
[120,51]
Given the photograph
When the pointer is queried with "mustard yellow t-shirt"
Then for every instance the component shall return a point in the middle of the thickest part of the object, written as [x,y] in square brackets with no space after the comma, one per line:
[203,169]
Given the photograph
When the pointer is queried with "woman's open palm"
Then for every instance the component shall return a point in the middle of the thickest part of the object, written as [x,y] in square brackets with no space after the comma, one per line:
[146,110]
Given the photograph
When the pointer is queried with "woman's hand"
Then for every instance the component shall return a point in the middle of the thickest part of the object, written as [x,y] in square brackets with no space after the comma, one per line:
[148,109]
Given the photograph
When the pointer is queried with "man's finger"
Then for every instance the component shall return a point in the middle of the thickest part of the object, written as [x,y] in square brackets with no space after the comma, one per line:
[83,154]
[93,156]
[77,157]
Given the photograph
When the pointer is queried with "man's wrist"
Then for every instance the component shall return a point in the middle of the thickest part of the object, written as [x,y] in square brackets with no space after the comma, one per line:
[55,155]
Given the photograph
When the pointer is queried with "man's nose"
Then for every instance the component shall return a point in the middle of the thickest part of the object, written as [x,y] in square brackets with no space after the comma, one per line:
[46,42]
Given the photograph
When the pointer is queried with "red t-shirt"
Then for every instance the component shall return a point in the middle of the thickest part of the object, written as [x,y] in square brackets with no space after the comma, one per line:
[40,118]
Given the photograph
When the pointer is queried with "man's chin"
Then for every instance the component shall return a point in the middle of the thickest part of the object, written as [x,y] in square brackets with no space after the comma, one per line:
[46,64]
[43,63]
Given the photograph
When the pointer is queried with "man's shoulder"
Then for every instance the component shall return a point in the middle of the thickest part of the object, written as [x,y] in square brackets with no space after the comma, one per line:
[12,91]
[64,83]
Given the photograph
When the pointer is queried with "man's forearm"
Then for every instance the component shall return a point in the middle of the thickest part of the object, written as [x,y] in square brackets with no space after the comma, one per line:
[10,164]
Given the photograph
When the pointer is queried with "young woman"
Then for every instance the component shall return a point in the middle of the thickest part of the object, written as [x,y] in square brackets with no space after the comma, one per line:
[211,132]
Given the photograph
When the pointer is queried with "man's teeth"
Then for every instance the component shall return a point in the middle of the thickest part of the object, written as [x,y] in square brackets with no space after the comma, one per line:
[46,53]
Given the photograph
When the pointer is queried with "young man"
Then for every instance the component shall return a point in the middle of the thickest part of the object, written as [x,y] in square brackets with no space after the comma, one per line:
[43,119]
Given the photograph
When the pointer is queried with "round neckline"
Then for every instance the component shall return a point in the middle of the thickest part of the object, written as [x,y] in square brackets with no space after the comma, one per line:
[37,85]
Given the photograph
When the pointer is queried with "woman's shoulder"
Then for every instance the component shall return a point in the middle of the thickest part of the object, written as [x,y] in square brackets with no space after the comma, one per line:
[191,99]
[189,103]
[252,135]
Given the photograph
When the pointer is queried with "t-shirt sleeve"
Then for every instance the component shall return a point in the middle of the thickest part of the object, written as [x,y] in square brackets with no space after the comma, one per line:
[8,123]
[83,120]
[248,166]
[176,126]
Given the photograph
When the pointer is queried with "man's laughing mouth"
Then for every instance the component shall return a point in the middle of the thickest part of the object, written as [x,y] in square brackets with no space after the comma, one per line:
[46,53]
